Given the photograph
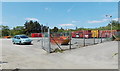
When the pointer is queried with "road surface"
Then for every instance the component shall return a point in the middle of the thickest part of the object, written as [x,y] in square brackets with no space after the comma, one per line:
[100,56]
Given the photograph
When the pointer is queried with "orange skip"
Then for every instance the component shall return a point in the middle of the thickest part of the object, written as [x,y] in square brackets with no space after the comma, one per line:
[60,40]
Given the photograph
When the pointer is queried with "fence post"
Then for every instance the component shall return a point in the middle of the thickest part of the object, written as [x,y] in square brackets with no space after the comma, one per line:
[70,39]
[49,45]
[84,41]
[94,37]
[42,36]
[101,36]
[83,38]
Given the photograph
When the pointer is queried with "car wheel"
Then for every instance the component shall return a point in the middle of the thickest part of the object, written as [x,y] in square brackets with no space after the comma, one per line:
[13,42]
[20,43]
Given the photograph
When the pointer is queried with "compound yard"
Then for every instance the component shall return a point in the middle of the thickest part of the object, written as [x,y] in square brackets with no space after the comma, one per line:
[99,56]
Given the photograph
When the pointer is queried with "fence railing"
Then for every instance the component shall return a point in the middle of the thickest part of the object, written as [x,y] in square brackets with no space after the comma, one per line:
[52,42]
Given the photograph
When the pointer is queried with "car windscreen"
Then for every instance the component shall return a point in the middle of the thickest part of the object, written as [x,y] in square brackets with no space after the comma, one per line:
[23,37]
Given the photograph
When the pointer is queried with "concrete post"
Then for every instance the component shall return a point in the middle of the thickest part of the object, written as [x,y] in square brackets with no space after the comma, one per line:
[49,47]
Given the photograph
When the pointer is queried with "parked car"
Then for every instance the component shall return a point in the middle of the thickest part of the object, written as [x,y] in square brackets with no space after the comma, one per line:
[21,39]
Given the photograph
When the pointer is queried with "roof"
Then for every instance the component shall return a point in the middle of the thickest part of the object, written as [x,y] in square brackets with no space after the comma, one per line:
[20,35]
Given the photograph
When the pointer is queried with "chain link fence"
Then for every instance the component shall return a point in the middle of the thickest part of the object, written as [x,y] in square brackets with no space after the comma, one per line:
[60,41]
[45,41]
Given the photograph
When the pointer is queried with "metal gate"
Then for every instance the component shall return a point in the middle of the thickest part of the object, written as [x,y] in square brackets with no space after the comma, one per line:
[45,41]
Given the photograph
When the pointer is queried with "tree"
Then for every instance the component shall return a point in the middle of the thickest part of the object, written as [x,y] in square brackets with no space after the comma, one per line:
[5,30]
[18,30]
[61,30]
[37,27]
[55,29]
[29,27]
[34,27]
[115,26]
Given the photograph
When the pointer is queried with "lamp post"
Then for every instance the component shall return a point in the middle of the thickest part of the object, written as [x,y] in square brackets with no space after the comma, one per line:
[110,22]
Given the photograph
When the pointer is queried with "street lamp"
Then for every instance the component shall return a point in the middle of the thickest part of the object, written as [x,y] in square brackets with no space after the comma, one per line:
[110,22]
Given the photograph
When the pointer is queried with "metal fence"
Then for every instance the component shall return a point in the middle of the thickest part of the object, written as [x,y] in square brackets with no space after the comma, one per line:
[117,34]
[60,41]
[45,41]
[53,42]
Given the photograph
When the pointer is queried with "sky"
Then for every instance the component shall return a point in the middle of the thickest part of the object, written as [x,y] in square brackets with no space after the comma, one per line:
[59,14]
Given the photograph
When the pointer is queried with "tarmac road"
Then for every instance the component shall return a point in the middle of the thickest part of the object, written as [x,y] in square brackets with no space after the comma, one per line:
[100,56]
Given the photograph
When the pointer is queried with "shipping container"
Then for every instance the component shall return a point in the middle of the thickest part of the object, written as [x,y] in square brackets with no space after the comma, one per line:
[106,33]
[95,33]
[73,35]
[87,33]
[81,34]
[36,35]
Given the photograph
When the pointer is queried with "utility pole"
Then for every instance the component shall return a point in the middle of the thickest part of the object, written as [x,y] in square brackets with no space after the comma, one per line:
[110,16]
